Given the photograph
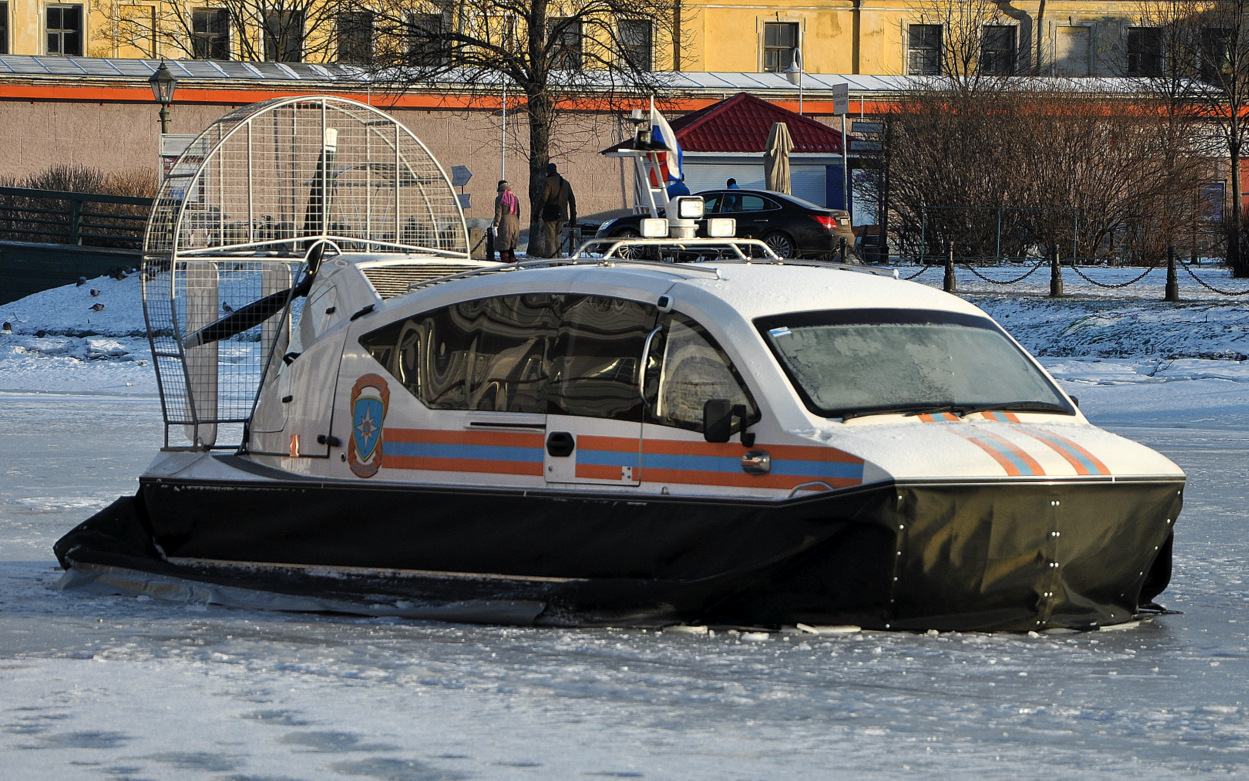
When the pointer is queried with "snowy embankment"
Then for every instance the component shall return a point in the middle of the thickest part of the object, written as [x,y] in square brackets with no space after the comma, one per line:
[1108,345]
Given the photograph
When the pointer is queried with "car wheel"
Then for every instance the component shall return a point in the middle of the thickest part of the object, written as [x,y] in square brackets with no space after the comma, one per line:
[780,243]
[627,233]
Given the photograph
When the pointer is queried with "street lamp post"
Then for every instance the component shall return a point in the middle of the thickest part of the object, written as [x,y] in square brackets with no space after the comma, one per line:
[163,84]
[794,74]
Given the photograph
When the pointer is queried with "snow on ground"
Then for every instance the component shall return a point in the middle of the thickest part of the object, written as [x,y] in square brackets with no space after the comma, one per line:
[124,687]
[90,337]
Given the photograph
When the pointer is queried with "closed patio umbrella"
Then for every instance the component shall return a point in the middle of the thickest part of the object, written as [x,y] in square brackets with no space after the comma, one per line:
[776,158]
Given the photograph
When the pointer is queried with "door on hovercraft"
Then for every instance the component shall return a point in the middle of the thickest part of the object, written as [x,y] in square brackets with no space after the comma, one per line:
[479,369]
[685,369]
[594,397]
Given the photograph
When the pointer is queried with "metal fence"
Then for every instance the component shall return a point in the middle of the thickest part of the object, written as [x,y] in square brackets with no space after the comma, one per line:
[60,217]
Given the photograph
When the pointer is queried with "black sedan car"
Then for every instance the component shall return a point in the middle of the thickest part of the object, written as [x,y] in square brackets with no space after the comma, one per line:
[790,226]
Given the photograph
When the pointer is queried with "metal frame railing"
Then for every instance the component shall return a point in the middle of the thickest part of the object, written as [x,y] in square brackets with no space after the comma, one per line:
[63,217]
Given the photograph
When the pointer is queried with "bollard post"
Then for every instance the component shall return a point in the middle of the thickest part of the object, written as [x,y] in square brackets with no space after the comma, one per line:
[843,249]
[1056,275]
[948,284]
[1173,280]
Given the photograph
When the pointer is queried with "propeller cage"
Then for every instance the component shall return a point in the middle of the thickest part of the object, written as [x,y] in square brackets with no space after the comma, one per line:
[231,225]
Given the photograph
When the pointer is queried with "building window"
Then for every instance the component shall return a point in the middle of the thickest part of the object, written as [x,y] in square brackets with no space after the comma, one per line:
[210,34]
[564,36]
[354,37]
[780,40]
[4,28]
[997,50]
[284,36]
[137,31]
[1144,51]
[1072,51]
[427,44]
[923,50]
[635,43]
[64,27]
[1216,54]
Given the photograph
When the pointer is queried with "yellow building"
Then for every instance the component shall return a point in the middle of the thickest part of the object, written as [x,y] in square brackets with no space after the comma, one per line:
[881,37]
[891,37]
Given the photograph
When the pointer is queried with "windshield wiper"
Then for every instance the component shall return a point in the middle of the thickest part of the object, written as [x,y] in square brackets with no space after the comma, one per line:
[914,409]
[1019,406]
[958,409]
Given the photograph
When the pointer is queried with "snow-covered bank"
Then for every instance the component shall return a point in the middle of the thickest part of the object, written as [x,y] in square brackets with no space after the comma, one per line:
[89,338]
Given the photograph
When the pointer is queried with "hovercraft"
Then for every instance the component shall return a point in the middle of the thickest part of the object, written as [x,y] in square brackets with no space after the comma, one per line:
[392,427]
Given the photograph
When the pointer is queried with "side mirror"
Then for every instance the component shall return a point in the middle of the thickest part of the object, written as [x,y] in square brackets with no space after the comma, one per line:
[718,417]
[717,420]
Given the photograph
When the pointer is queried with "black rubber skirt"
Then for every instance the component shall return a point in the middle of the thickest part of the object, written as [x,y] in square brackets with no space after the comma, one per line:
[1013,556]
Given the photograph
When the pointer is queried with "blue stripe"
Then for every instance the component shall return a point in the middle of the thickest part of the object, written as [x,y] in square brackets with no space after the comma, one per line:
[690,462]
[1076,454]
[786,468]
[607,458]
[1019,463]
[531,455]
[839,469]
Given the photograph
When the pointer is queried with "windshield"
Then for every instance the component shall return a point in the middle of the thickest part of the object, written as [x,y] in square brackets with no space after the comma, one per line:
[862,362]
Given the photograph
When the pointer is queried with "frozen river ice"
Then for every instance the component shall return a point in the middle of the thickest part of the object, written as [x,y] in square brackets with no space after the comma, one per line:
[123,687]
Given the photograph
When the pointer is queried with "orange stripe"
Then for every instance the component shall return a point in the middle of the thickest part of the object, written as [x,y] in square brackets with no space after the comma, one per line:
[457,437]
[1080,468]
[1097,462]
[1076,463]
[611,444]
[1009,416]
[742,480]
[602,472]
[673,447]
[1005,462]
[464,465]
[1020,454]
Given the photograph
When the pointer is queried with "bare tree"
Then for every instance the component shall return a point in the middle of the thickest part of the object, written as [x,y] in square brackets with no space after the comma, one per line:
[248,30]
[587,56]
[966,63]
[991,166]
[1207,68]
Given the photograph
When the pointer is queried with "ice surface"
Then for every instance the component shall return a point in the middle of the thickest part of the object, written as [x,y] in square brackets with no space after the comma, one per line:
[125,687]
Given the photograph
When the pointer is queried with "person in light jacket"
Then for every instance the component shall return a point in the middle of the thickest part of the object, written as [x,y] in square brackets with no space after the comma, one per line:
[506,225]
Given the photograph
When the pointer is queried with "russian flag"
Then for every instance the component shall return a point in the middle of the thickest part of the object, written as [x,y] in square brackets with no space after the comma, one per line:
[661,134]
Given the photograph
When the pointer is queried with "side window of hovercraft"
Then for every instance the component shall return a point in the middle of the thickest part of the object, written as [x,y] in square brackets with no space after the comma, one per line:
[685,369]
[486,354]
[597,356]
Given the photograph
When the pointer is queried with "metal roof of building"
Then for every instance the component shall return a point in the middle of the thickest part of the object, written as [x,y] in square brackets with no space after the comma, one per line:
[688,83]
[191,70]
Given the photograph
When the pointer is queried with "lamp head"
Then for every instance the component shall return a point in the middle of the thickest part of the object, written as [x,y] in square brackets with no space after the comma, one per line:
[163,84]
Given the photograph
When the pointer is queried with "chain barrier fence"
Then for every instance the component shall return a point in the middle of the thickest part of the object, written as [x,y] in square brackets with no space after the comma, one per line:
[978,272]
[975,239]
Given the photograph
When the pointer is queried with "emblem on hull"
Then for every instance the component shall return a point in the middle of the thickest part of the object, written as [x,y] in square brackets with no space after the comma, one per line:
[370,397]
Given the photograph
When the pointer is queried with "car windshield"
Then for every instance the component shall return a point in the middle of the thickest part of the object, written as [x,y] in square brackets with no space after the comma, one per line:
[864,362]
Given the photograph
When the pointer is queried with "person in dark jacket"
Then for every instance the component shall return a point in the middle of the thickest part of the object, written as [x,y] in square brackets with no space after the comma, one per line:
[557,209]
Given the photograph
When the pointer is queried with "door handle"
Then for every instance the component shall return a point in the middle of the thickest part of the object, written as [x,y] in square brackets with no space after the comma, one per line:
[560,444]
